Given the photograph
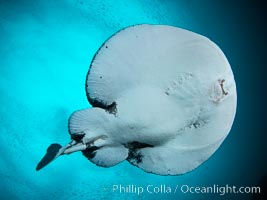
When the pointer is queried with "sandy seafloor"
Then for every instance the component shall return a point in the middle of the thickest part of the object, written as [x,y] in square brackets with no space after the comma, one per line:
[45,51]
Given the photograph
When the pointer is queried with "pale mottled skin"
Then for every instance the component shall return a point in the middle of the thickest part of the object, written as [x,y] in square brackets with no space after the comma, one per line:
[173,95]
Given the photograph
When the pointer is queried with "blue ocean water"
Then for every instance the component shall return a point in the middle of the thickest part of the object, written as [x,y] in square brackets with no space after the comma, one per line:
[45,51]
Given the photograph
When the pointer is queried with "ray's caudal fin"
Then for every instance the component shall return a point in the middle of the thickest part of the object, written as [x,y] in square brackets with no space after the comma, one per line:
[55,150]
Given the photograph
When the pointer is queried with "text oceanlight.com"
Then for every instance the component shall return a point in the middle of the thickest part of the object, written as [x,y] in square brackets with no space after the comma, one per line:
[185,189]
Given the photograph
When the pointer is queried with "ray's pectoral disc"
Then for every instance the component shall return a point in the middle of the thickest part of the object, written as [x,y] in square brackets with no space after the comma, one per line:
[163,98]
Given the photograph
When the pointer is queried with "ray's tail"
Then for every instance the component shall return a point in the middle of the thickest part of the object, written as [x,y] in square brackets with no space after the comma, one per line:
[56,150]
